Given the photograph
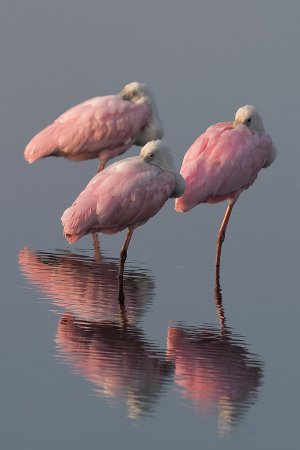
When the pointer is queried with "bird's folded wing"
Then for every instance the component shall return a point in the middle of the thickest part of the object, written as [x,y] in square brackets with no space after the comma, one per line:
[124,194]
[100,123]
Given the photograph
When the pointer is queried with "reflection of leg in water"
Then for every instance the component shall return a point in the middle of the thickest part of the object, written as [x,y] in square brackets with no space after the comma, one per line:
[218,302]
[123,313]
[96,245]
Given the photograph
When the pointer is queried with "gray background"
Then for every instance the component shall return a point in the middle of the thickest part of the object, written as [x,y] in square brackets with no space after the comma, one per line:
[202,60]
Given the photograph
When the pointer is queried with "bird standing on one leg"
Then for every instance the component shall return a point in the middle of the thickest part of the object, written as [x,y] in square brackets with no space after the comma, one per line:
[124,195]
[224,161]
[102,127]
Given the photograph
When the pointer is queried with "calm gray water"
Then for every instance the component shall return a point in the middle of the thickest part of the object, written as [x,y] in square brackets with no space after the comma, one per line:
[175,370]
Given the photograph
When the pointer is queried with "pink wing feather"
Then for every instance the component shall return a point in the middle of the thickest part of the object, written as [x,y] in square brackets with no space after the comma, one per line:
[125,194]
[106,125]
[222,161]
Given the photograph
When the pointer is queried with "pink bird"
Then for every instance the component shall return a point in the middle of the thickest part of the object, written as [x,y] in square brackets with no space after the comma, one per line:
[224,161]
[124,195]
[102,127]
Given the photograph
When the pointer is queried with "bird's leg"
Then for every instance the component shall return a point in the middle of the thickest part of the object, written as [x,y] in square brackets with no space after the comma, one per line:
[221,235]
[96,245]
[123,256]
[101,166]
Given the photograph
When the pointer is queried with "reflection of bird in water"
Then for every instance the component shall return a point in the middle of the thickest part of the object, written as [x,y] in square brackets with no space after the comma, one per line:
[112,354]
[118,360]
[215,369]
[102,127]
[85,287]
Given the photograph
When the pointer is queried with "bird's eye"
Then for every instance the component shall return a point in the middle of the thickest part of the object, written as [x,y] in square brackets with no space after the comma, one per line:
[150,156]
[248,120]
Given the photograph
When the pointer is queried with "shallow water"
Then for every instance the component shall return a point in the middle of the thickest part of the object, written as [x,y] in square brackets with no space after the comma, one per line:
[176,367]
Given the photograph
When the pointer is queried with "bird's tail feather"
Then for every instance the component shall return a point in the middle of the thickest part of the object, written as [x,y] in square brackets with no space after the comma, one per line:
[42,145]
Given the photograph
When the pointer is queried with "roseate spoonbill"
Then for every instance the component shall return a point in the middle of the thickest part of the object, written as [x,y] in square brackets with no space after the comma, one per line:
[124,195]
[120,362]
[102,127]
[224,161]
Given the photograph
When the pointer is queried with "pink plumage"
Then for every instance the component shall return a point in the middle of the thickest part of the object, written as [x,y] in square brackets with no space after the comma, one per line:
[224,161]
[126,194]
[102,127]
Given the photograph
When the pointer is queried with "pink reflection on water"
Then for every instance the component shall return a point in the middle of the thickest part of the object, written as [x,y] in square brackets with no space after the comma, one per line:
[86,287]
[118,360]
[215,371]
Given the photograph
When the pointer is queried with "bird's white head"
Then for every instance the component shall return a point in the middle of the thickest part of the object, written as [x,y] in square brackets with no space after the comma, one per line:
[135,92]
[138,93]
[159,155]
[249,116]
